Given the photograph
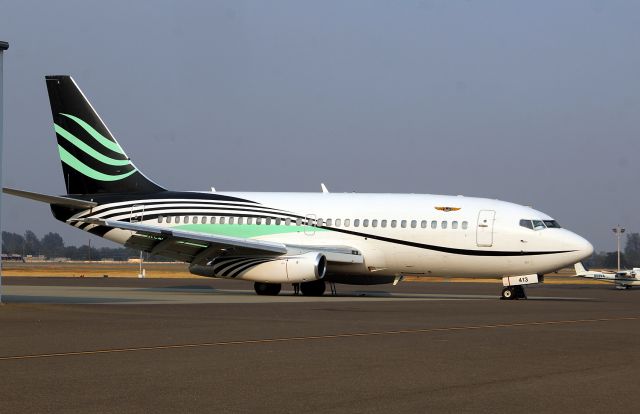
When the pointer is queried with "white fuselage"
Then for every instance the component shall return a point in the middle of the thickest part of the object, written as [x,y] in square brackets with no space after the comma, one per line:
[397,234]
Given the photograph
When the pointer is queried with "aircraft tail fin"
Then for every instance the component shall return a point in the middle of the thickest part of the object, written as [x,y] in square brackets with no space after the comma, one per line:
[92,160]
[580,269]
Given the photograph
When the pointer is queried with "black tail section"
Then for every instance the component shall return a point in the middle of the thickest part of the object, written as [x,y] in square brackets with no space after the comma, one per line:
[92,160]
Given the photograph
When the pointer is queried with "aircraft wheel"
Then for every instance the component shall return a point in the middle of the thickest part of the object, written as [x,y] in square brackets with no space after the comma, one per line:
[508,293]
[267,289]
[315,288]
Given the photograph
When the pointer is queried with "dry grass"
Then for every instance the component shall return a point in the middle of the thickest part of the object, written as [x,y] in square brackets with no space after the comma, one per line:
[95,269]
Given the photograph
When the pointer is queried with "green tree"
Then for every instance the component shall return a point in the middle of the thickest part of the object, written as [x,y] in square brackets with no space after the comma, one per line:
[12,243]
[632,250]
[52,245]
[31,243]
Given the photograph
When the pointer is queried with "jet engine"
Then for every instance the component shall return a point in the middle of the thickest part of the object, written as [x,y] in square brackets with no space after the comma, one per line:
[283,269]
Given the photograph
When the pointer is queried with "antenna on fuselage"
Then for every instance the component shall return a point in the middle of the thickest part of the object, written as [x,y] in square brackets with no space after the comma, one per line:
[324,188]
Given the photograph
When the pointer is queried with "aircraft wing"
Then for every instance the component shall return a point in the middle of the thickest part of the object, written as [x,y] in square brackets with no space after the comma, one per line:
[189,246]
[200,248]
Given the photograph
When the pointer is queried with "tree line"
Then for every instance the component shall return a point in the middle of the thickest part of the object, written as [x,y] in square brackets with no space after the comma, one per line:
[52,246]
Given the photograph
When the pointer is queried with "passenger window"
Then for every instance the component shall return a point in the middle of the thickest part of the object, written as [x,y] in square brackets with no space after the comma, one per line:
[231,220]
[160,219]
[338,222]
[195,220]
[444,224]
[374,223]
[423,224]
[383,224]
[287,221]
[347,222]
[222,220]
[268,221]
[320,222]
[465,225]
[204,220]
[454,225]
[186,219]
[168,219]
[177,219]
[298,221]
[213,220]
[365,223]
[356,223]
[278,221]
[329,222]
[240,220]
[394,223]
[434,224]
[403,224]
[259,221]
[414,224]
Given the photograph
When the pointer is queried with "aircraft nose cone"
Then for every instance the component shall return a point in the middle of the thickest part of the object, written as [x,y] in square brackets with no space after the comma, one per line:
[582,247]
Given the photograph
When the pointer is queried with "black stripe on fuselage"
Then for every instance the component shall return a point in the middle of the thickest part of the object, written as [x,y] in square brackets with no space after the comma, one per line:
[465,252]
[148,212]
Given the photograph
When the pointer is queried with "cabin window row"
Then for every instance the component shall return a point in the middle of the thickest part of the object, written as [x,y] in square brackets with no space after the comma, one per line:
[424,224]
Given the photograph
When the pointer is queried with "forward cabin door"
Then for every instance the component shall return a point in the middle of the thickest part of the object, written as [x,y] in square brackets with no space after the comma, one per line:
[137,213]
[484,231]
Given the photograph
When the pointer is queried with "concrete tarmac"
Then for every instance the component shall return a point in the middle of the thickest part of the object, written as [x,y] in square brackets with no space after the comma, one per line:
[128,345]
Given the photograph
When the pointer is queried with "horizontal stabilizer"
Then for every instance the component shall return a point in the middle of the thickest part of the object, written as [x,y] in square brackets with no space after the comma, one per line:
[50,199]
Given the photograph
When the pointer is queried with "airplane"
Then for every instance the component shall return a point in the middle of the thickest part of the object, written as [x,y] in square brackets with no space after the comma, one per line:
[624,279]
[304,239]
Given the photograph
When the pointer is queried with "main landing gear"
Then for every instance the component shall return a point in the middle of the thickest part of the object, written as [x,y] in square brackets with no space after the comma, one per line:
[267,289]
[315,288]
[513,293]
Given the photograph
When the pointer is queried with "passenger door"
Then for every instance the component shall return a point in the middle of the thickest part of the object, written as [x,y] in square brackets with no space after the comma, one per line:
[484,231]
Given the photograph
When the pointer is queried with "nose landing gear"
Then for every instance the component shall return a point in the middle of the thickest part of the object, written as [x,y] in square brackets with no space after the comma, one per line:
[513,293]
[514,285]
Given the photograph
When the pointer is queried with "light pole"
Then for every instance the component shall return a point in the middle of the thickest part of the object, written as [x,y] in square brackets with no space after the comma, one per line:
[617,230]
[3,46]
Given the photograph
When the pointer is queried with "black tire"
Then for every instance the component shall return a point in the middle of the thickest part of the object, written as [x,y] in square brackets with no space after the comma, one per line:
[508,293]
[519,292]
[267,289]
[315,288]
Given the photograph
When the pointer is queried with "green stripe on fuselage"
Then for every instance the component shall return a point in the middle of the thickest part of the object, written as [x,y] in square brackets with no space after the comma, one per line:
[246,230]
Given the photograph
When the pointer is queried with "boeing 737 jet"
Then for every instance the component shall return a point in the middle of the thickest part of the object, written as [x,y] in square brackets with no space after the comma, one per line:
[308,238]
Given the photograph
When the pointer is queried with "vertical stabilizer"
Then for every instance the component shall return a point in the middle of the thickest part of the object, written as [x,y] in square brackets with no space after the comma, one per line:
[92,160]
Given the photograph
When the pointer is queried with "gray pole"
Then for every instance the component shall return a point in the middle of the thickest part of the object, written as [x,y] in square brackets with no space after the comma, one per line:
[618,232]
[3,46]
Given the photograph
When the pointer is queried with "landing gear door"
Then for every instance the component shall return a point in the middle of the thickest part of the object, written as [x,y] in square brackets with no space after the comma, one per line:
[484,231]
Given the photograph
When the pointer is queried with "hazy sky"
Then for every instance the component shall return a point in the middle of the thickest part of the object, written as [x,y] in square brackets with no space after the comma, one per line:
[533,102]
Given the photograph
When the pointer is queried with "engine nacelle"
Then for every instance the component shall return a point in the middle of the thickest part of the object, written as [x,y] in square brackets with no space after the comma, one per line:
[289,269]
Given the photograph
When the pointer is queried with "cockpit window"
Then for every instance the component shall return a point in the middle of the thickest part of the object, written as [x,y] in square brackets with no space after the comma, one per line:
[551,224]
[538,225]
[526,223]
